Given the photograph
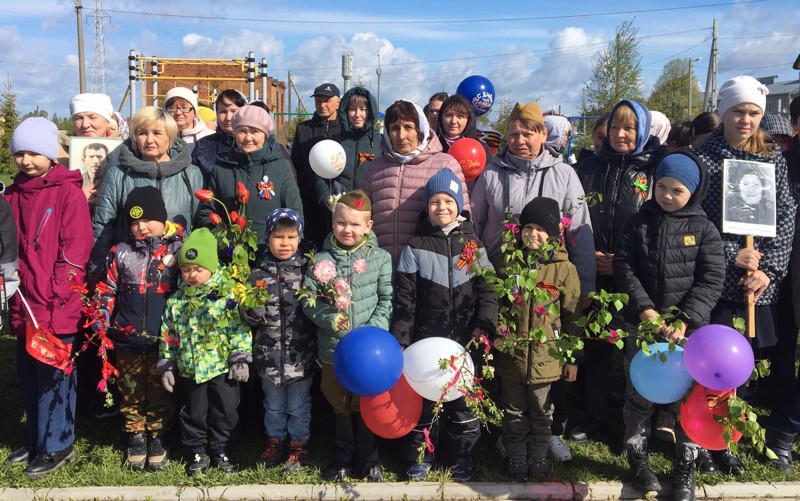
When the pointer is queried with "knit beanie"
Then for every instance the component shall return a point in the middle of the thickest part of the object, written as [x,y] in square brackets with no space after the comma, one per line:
[445,181]
[92,103]
[739,90]
[282,213]
[145,202]
[200,248]
[357,200]
[681,167]
[542,211]
[531,111]
[253,116]
[181,92]
[37,135]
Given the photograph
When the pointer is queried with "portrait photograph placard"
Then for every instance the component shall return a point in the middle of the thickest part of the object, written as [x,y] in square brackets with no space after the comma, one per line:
[91,156]
[748,198]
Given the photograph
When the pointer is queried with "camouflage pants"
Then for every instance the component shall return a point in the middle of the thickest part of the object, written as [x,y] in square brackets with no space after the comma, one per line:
[144,403]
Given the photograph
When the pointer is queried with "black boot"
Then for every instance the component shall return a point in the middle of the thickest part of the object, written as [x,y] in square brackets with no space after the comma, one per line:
[781,444]
[643,475]
[683,480]
[728,462]
[704,462]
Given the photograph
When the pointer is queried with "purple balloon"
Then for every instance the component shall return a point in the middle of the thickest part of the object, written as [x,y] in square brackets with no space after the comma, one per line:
[718,357]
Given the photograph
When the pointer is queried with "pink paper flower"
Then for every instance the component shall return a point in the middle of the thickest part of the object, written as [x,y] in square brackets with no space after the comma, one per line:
[342,287]
[342,302]
[324,271]
[360,266]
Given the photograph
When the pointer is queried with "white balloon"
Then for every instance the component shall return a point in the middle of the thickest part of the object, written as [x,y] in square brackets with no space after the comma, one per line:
[421,368]
[327,159]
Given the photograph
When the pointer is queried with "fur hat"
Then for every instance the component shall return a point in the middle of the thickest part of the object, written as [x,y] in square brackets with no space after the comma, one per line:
[92,103]
[200,248]
[145,202]
[445,181]
[681,167]
[37,135]
[542,211]
[181,92]
[253,116]
[357,200]
[739,90]
[530,111]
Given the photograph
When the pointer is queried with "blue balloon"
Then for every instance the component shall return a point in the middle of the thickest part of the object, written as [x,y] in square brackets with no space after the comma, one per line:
[657,381]
[368,361]
[479,91]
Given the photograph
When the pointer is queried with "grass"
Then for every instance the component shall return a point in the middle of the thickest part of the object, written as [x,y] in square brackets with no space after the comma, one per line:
[100,447]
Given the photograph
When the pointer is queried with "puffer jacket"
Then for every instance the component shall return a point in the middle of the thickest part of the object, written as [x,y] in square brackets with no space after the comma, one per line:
[397,192]
[194,336]
[777,251]
[142,275]
[268,176]
[436,292]
[372,297]
[284,339]
[177,179]
[515,181]
[667,259]
[530,362]
[54,237]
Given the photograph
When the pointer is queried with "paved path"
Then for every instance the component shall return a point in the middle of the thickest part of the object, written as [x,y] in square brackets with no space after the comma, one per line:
[398,491]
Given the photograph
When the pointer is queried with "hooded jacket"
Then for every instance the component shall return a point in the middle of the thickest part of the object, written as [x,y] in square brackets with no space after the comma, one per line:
[531,363]
[54,237]
[436,292]
[624,180]
[177,179]
[284,338]
[665,259]
[268,176]
[775,260]
[396,190]
[514,181]
[371,302]
[141,275]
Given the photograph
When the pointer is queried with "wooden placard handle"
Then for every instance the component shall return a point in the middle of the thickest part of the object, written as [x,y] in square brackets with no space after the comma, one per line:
[751,303]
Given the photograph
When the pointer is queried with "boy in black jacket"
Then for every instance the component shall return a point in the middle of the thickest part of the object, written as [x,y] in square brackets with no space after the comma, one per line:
[669,254]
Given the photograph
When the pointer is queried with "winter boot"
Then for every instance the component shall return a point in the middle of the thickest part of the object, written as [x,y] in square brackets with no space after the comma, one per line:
[683,480]
[781,444]
[298,456]
[643,475]
[274,453]
[137,451]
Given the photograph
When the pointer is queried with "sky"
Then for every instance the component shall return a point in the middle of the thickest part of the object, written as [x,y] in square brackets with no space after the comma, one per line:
[529,50]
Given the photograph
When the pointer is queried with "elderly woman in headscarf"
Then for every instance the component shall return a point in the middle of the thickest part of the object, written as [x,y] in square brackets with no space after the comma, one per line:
[395,182]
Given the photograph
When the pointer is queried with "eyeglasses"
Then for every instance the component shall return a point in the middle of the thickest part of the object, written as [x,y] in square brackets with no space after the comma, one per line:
[184,109]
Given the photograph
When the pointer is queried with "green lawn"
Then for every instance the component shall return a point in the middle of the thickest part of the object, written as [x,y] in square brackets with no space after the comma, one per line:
[100,448]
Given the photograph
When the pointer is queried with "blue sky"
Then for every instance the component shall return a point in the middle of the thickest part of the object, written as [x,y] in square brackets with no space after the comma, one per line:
[529,50]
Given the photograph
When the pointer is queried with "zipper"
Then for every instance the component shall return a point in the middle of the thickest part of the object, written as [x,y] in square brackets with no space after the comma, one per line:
[148,246]
[615,191]
[43,222]
[283,326]
[397,205]
[662,235]
[450,288]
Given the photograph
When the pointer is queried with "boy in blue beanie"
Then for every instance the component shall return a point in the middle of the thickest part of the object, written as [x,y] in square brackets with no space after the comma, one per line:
[669,255]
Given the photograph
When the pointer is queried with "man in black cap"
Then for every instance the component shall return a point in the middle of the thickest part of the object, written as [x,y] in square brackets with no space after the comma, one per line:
[323,125]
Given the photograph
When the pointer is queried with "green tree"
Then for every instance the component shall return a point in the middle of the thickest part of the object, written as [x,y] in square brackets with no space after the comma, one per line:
[9,119]
[501,124]
[670,94]
[617,72]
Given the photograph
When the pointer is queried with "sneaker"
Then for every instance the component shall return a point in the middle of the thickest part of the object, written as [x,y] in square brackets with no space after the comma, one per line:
[518,468]
[274,454]
[538,467]
[375,474]
[200,463]
[665,427]
[418,472]
[137,451]
[157,458]
[336,472]
[220,460]
[558,450]
[461,469]
[298,456]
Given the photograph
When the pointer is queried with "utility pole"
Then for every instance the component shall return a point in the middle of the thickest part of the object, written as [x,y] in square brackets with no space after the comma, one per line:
[289,79]
[378,72]
[710,97]
[347,70]
[81,62]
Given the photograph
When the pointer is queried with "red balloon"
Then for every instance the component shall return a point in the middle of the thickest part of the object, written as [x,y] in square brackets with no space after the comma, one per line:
[470,155]
[697,417]
[394,413]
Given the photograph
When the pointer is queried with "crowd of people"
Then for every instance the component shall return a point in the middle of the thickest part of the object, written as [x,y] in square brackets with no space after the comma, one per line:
[408,230]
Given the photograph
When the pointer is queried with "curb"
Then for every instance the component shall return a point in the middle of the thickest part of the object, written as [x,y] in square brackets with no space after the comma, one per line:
[398,491]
